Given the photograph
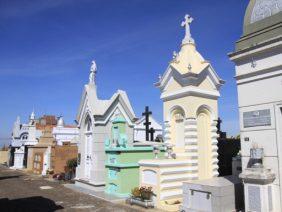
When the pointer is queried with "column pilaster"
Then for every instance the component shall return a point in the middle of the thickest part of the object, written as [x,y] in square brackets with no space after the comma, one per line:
[191,144]
[214,148]
[167,134]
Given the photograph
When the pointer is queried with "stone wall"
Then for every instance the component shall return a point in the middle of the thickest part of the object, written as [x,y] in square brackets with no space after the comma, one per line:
[60,155]
[3,157]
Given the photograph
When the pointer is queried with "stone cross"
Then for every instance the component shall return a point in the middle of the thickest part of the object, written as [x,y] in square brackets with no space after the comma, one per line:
[93,72]
[186,23]
[147,124]
[152,131]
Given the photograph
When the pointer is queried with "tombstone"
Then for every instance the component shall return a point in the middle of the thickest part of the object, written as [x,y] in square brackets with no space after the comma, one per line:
[258,184]
[19,158]
[220,194]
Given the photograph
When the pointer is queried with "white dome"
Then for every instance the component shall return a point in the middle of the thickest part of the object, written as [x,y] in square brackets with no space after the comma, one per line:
[265,8]
[60,122]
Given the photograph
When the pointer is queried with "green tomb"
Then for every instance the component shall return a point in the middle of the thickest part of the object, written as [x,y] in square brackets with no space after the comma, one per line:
[122,160]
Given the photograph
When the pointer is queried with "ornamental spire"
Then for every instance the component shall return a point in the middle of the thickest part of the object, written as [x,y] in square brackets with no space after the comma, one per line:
[93,72]
[186,23]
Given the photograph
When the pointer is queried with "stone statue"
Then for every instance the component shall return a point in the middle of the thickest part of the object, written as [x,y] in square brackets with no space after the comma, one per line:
[186,23]
[93,72]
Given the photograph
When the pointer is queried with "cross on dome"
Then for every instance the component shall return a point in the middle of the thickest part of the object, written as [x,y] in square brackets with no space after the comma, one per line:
[186,23]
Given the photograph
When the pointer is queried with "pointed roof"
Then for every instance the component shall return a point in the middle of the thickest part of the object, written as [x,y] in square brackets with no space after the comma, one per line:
[99,107]
[189,60]
[188,65]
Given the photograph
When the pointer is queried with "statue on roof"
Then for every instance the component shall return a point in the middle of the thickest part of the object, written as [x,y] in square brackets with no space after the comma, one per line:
[93,72]
[186,23]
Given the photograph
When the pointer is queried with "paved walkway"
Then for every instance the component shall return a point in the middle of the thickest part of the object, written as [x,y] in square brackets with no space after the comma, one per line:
[23,192]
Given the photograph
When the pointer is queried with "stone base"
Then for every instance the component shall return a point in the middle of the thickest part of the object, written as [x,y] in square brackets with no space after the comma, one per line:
[166,177]
[90,186]
[220,194]
[169,206]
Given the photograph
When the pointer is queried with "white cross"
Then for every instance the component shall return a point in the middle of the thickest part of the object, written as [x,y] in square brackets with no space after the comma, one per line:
[186,23]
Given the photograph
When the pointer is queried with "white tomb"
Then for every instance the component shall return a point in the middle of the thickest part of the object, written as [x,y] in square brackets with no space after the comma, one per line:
[213,195]
[18,158]
[24,134]
[65,133]
[94,123]
[189,91]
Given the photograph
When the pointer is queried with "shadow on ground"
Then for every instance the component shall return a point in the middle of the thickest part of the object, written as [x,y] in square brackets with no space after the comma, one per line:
[8,177]
[29,204]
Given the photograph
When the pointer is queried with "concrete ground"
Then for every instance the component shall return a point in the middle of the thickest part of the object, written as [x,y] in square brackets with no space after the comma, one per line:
[20,191]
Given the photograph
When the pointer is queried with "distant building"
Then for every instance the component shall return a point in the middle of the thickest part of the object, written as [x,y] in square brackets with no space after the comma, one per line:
[56,146]
[25,138]
[23,135]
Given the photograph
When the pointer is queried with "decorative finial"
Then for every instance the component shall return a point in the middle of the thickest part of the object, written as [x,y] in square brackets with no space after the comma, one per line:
[93,72]
[60,122]
[32,118]
[186,23]
[160,77]
[174,57]
[32,115]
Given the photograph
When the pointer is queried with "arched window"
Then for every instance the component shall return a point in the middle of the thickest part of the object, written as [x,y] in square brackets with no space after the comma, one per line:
[88,124]
[177,127]
[24,136]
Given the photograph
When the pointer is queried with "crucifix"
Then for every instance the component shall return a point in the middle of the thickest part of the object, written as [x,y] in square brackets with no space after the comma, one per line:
[147,114]
[186,23]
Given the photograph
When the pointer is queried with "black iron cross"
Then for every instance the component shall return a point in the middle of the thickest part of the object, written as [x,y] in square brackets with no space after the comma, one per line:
[218,125]
[152,131]
[147,114]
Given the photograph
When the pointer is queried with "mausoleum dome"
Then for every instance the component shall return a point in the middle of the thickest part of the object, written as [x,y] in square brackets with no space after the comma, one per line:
[61,122]
[258,10]
[262,22]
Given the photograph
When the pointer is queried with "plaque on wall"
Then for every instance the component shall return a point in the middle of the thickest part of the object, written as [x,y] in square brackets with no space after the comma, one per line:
[257,118]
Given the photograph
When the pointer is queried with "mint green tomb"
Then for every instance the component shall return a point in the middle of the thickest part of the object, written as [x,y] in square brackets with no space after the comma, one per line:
[122,161]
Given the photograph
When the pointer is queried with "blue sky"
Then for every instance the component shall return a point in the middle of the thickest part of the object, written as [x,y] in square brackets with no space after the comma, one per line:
[46,48]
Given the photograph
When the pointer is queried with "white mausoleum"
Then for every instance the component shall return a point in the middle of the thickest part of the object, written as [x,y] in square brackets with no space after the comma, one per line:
[94,123]
[258,66]
[190,91]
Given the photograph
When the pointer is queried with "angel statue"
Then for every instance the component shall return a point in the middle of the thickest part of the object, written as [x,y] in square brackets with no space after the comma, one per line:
[93,72]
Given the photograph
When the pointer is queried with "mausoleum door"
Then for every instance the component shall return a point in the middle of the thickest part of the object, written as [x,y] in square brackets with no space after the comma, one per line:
[177,124]
[116,133]
[88,154]
[179,136]
[25,156]
[204,145]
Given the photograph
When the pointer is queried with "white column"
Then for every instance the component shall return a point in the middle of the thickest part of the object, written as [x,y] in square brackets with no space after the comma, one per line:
[191,143]
[214,148]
